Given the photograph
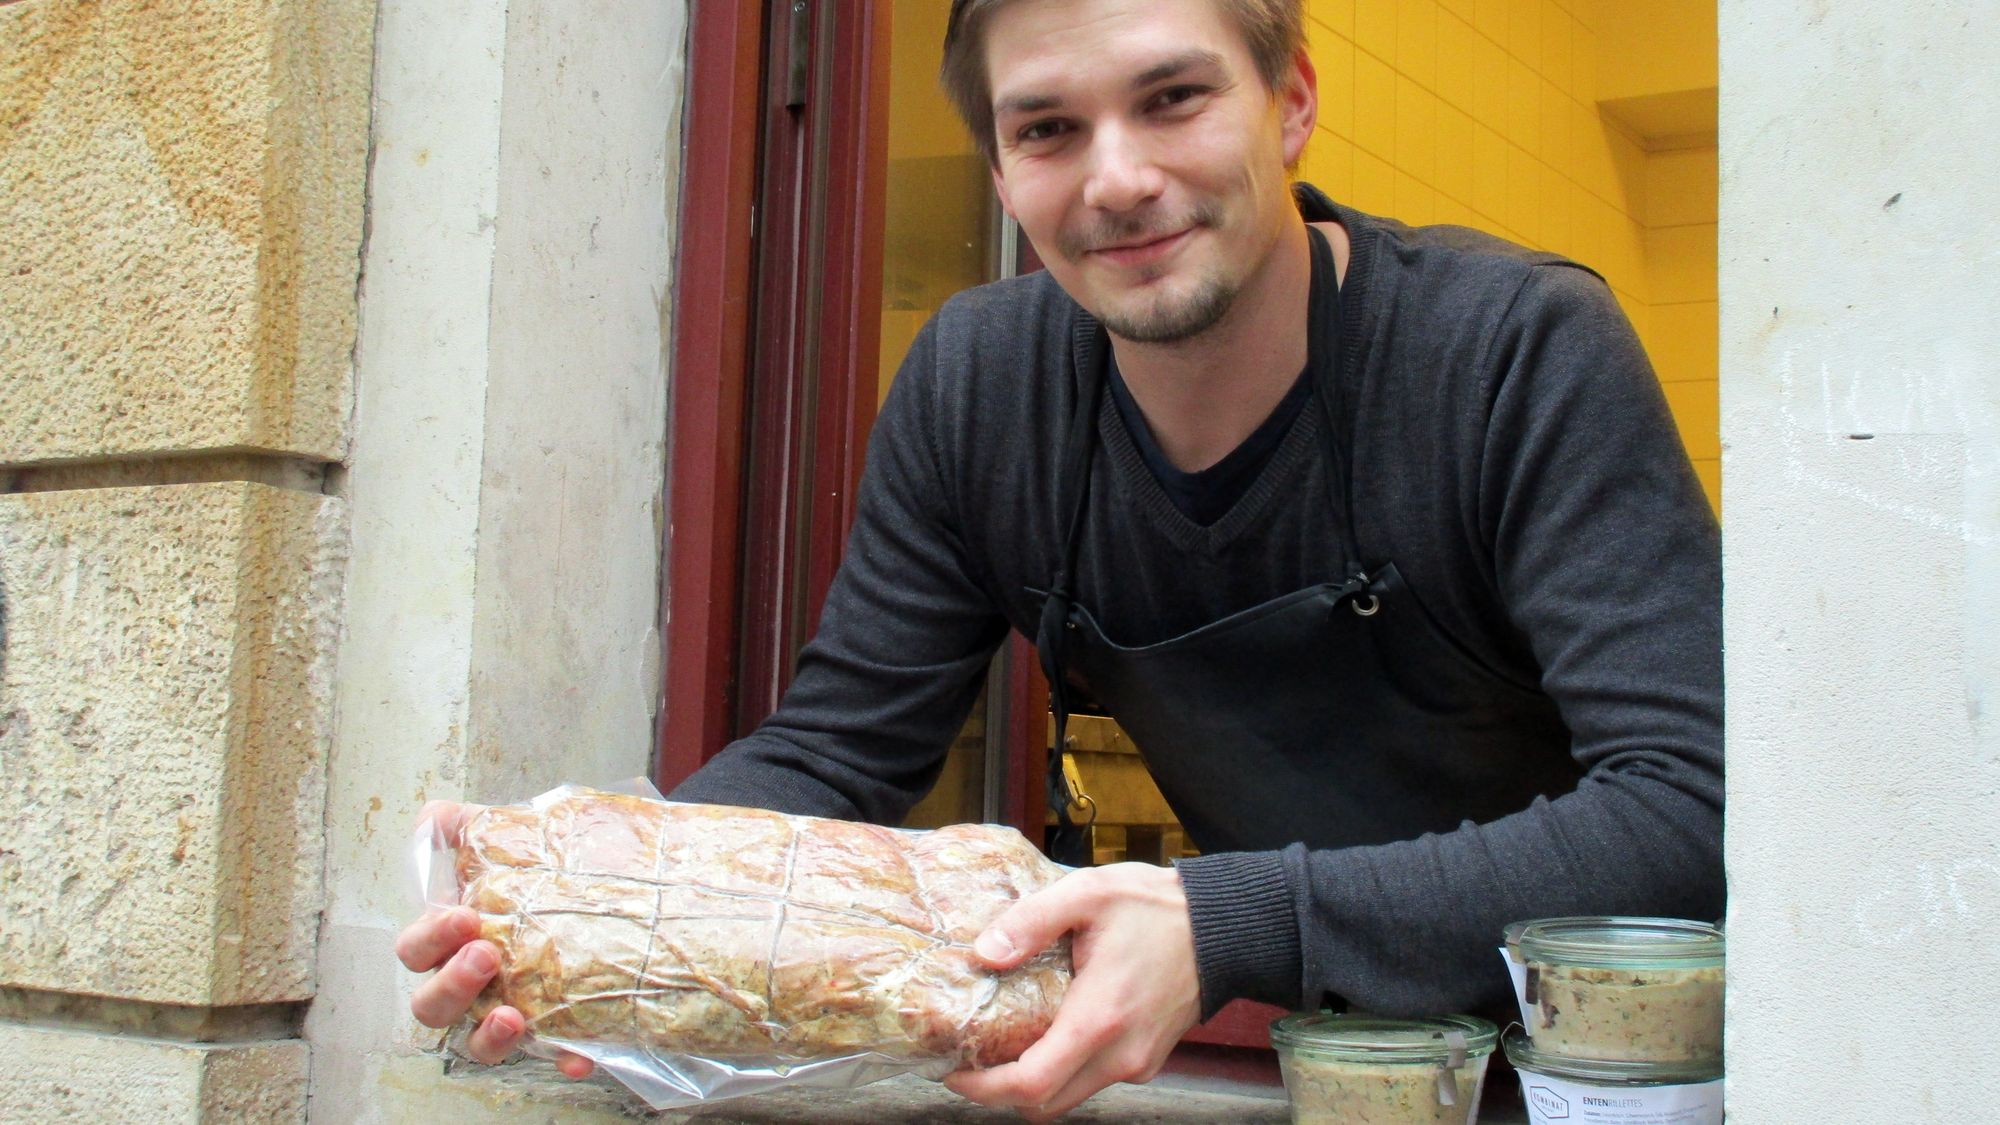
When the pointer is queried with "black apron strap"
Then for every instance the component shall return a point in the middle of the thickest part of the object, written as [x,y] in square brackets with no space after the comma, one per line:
[1069,841]
[1326,362]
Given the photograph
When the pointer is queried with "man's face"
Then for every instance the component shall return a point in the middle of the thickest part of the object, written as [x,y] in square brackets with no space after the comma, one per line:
[1142,155]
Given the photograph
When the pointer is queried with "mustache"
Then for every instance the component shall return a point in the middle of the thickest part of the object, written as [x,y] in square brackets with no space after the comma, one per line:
[1115,230]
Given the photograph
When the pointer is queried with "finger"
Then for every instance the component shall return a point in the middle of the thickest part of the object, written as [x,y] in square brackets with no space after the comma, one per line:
[1107,1067]
[1044,1069]
[450,817]
[425,943]
[444,999]
[496,1036]
[573,1065]
[1036,922]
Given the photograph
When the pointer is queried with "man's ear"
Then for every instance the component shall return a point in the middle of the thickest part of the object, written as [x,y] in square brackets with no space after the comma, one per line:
[1000,189]
[1298,106]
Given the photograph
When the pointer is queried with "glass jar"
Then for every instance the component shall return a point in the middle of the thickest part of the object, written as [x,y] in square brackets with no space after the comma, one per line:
[1624,989]
[1558,1089]
[1367,1070]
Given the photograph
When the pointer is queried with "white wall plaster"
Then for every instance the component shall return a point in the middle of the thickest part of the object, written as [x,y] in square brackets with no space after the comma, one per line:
[1861,468]
[506,464]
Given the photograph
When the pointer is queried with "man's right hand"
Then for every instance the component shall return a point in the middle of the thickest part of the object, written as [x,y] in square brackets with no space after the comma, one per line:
[448,940]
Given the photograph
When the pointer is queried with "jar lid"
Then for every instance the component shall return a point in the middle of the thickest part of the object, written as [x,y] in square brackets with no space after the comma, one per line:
[1622,943]
[1375,1039]
[1606,1072]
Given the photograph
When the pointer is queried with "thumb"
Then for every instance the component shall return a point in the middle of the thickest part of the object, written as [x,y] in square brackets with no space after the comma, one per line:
[1029,926]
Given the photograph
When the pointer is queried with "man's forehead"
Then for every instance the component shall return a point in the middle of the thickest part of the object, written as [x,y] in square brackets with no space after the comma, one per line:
[1036,49]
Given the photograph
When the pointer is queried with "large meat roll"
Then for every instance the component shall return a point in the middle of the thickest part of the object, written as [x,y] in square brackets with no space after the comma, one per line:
[752,937]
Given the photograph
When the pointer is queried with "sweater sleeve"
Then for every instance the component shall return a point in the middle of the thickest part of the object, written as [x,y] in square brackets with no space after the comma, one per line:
[902,643]
[1605,557]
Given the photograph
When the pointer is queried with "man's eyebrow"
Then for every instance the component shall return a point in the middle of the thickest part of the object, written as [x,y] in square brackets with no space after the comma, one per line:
[1026,103]
[1177,65]
[1171,67]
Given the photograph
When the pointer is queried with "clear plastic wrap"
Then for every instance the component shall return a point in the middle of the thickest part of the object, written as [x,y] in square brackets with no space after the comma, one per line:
[701,952]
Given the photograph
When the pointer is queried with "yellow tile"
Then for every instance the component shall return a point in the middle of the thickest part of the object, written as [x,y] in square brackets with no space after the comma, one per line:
[1333,57]
[1329,164]
[1455,66]
[1454,154]
[1524,194]
[1374,105]
[1374,184]
[1416,202]
[1557,211]
[1463,9]
[1556,115]
[1490,17]
[1524,108]
[1375,28]
[1698,416]
[1583,64]
[1416,40]
[1556,45]
[1625,259]
[1680,264]
[1590,153]
[1684,342]
[1490,67]
[1416,130]
[1586,238]
[1585,11]
[1337,15]
[1628,162]
[1524,32]
[1489,172]
[1680,187]
[1710,474]
[1455,213]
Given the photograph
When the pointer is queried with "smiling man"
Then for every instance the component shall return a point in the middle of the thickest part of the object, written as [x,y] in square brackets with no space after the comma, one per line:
[1380,541]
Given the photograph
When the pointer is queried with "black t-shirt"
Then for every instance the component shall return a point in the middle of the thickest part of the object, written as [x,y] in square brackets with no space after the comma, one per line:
[1207,495]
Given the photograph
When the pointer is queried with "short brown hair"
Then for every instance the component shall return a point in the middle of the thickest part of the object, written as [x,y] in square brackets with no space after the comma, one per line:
[1274,30]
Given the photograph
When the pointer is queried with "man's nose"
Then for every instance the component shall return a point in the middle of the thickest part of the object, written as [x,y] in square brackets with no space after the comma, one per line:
[1123,174]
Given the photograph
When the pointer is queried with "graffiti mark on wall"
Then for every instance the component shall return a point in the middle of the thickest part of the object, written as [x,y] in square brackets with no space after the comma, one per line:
[1909,402]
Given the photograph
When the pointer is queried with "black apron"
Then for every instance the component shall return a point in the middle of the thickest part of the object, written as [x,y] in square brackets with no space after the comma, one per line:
[1345,691]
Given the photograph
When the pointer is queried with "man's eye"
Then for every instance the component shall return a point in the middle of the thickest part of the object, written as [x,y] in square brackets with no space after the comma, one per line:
[1177,95]
[1041,131]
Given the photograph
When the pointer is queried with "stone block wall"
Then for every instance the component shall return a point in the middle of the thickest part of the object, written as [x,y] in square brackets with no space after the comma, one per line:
[181,202]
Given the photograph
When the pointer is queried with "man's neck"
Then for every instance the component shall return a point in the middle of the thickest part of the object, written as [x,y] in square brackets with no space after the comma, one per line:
[1203,397]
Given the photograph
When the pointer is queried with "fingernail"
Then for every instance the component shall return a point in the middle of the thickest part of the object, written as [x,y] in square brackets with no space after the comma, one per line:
[994,946]
[480,959]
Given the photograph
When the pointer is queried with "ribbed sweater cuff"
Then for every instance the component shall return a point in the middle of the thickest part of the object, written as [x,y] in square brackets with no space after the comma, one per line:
[1246,934]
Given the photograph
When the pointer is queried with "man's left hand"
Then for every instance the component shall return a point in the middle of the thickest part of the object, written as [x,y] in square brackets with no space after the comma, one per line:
[1134,993]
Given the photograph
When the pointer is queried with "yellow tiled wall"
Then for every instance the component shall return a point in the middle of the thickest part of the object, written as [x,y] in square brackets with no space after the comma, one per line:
[1485,113]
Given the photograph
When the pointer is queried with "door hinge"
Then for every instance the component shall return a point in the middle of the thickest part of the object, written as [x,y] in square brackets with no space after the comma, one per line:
[798,59]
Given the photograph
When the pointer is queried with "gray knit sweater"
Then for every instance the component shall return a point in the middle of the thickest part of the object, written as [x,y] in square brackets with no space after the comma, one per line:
[1514,456]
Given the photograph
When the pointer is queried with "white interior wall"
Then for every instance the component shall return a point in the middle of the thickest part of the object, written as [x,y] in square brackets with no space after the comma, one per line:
[506,471]
[1861,468]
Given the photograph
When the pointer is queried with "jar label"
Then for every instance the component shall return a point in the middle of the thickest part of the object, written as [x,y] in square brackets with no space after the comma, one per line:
[1517,972]
[1552,1100]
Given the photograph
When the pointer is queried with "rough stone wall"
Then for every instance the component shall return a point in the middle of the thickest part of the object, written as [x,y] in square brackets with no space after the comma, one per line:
[180,233]
[180,188]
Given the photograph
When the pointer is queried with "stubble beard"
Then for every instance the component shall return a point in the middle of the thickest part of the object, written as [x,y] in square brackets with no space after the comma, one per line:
[1173,319]
[1169,318]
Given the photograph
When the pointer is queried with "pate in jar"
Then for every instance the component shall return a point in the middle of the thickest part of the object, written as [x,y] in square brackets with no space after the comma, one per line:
[1561,1091]
[1367,1070]
[1624,989]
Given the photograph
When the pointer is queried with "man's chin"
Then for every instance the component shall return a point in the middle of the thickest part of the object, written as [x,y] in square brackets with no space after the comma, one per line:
[1168,320]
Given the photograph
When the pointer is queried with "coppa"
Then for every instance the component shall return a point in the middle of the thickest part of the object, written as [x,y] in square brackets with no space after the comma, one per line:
[751,937]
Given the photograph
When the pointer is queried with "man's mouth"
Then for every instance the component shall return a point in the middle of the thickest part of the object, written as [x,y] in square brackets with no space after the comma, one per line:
[1144,250]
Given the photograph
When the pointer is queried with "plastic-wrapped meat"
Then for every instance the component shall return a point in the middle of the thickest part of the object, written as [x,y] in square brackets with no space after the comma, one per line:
[747,936]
